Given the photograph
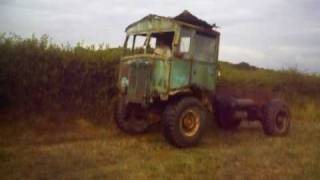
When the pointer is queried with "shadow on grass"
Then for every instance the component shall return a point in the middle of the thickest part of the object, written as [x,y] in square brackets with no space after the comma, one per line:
[59,127]
[18,126]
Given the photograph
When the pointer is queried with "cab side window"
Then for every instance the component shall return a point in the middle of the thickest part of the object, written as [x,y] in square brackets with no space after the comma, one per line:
[185,43]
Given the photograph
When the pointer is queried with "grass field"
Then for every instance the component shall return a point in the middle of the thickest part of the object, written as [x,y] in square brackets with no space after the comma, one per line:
[48,146]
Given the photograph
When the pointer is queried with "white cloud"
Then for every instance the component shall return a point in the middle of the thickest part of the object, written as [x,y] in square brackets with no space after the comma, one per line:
[244,54]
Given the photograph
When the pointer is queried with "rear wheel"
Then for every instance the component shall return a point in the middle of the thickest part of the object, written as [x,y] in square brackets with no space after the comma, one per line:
[183,122]
[131,118]
[276,118]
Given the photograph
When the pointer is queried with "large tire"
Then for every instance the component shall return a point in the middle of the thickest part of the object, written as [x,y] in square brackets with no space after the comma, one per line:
[131,118]
[183,122]
[224,113]
[276,118]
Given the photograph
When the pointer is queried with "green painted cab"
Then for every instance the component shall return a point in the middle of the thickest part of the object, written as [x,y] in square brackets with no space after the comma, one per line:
[165,56]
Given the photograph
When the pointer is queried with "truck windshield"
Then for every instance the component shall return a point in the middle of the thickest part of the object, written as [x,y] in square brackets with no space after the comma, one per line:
[159,43]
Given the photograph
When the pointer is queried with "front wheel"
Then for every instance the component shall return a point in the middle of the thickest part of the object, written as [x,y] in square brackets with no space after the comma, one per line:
[183,122]
[131,118]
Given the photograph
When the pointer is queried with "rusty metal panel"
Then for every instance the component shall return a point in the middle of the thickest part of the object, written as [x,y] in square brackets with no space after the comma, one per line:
[203,75]
[179,73]
[160,23]
[204,65]
[152,24]
[160,76]
[204,48]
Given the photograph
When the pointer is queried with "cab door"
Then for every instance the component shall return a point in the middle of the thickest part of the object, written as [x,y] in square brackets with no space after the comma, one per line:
[180,63]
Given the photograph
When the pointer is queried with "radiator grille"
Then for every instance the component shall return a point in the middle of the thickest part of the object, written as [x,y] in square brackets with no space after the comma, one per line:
[139,79]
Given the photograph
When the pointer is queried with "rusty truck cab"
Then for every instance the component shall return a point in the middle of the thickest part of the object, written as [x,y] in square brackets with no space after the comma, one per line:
[165,56]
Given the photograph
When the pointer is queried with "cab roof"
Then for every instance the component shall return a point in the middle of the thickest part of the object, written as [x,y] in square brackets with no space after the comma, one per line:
[155,23]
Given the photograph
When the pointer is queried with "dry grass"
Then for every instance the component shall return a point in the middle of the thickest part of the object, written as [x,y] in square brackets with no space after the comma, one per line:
[73,147]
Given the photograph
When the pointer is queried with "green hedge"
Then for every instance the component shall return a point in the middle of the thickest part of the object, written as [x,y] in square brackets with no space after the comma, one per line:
[36,74]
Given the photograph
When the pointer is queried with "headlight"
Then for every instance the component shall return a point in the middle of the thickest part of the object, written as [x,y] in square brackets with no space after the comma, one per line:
[219,73]
[124,83]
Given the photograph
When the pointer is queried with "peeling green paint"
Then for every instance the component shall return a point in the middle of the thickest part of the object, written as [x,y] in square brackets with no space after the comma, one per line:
[180,73]
[203,75]
[152,24]
[159,76]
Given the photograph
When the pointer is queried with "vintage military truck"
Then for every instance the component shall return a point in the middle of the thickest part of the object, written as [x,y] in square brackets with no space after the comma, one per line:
[170,69]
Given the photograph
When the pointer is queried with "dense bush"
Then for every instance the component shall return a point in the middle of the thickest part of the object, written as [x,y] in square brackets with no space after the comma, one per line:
[36,74]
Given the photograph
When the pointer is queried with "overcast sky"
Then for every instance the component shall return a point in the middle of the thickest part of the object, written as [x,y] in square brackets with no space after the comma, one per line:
[270,33]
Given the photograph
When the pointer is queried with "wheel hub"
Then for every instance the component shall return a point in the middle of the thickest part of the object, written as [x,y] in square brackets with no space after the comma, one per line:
[281,121]
[190,122]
